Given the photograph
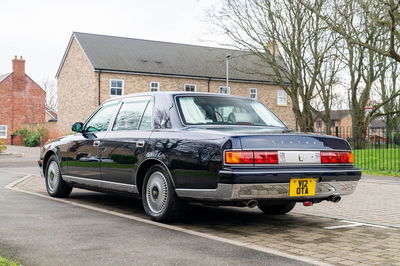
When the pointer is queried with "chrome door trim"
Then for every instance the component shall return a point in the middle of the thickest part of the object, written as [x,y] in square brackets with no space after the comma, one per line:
[82,180]
[102,184]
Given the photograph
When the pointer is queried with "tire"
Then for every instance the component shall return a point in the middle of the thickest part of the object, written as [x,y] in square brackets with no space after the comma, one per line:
[158,195]
[55,185]
[276,209]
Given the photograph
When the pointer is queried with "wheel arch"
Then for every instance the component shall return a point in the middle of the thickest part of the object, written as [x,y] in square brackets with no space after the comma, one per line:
[46,158]
[142,170]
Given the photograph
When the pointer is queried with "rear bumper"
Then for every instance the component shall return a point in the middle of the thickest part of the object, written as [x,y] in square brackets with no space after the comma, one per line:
[249,184]
[272,191]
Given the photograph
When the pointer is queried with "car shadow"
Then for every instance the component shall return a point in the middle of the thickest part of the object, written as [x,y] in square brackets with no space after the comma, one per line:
[196,214]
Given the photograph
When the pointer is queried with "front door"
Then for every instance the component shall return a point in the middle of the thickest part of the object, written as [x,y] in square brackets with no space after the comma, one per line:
[125,145]
[84,153]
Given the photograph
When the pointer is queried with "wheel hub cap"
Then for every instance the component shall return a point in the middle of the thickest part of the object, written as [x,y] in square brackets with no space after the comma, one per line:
[53,176]
[157,192]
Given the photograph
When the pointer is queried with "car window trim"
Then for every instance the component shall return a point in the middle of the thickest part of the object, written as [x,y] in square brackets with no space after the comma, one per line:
[133,99]
[178,110]
[97,110]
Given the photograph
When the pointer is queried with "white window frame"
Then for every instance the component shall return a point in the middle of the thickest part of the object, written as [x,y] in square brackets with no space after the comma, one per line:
[5,132]
[281,100]
[194,85]
[229,90]
[123,87]
[158,86]
[253,93]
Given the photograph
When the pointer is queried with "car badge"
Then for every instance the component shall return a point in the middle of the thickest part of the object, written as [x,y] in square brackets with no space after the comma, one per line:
[301,157]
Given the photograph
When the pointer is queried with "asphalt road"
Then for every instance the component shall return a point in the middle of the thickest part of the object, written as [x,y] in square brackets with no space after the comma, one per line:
[37,231]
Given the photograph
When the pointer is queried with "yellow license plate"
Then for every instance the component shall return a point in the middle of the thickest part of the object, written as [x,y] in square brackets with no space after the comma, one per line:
[302,187]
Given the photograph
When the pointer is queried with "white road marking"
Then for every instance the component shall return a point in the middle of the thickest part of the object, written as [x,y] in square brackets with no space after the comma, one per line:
[353,224]
[171,227]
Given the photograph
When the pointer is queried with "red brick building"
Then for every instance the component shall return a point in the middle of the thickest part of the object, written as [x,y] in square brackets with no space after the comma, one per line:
[22,101]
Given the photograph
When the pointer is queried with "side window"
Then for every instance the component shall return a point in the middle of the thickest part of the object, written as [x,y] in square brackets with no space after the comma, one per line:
[130,115]
[101,120]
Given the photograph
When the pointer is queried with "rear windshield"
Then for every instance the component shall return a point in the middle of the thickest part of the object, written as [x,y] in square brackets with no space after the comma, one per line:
[215,110]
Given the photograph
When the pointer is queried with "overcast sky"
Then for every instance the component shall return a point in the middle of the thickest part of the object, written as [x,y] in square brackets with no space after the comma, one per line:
[40,30]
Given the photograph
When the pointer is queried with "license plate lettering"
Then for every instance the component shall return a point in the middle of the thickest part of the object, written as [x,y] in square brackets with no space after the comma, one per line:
[302,187]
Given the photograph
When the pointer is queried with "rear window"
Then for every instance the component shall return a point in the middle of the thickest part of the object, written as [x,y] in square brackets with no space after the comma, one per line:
[215,110]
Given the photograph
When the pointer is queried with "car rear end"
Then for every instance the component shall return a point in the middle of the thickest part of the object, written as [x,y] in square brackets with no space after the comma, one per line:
[288,167]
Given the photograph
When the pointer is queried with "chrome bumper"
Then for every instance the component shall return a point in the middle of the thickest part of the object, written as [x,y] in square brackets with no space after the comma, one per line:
[227,192]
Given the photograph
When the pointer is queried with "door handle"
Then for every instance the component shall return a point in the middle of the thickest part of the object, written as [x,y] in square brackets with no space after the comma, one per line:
[96,143]
[140,144]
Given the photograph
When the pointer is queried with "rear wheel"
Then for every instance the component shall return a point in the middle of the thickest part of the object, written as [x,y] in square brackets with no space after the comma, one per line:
[158,194]
[274,209]
[55,185]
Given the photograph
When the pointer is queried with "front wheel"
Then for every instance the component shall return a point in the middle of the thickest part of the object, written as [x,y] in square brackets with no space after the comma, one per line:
[274,209]
[55,185]
[158,194]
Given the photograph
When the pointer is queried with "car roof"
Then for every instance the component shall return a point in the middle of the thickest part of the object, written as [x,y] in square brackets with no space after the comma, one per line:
[173,93]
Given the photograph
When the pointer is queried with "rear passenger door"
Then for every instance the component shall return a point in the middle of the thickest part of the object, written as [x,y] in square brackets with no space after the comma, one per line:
[124,146]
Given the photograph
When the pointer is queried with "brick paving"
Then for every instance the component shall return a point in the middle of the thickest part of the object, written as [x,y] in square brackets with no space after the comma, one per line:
[375,201]
[301,232]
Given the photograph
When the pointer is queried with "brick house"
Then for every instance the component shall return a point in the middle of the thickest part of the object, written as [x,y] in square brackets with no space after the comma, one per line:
[22,100]
[341,124]
[97,67]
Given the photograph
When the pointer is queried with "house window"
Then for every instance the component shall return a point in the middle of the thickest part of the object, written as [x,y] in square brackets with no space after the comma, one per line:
[3,131]
[282,97]
[154,86]
[319,123]
[253,93]
[190,87]
[224,90]
[116,87]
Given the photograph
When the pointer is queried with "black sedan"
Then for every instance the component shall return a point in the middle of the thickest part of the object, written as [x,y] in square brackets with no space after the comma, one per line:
[172,147]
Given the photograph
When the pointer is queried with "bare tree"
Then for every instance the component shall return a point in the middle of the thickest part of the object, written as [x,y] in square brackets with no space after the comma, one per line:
[364,65]
[49,85]
[382,14]
[301,47]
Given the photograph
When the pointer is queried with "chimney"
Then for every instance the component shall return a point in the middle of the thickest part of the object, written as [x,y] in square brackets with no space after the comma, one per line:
[18,67]
[272,47]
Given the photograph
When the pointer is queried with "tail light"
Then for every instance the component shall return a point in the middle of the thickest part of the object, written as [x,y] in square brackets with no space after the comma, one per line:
[265,157]
[251,157]
[337,158]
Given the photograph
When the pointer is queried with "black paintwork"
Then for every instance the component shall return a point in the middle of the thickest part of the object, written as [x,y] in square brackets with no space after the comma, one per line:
[193,154]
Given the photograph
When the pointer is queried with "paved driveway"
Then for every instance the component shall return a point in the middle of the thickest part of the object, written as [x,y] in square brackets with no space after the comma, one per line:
[39,231]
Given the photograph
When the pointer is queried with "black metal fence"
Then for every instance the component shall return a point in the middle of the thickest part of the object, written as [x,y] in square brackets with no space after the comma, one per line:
[377,150]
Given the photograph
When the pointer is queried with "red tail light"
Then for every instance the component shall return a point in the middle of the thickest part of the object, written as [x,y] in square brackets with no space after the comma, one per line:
[265,157]
[337,157]
[251,157]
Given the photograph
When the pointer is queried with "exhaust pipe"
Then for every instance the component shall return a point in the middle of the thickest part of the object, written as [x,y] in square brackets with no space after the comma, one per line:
[252,203]
[335,199]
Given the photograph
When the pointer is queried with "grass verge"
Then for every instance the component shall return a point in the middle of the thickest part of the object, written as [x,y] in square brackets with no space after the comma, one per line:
[378,161]
[8,262]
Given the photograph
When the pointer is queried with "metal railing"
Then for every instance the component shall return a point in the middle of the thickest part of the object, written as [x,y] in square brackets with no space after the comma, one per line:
[377,150]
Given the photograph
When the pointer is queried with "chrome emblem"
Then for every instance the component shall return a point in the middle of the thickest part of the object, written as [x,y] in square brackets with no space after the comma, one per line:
[301,157]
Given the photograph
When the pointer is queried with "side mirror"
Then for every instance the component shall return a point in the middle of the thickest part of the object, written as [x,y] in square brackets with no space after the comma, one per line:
[77,127]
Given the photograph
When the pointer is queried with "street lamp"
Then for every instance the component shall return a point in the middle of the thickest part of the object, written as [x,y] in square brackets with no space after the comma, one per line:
[227,71]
